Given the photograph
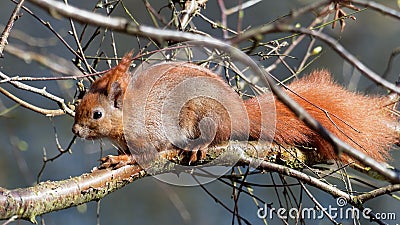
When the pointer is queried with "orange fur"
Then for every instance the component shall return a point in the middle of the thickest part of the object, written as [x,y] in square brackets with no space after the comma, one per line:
[359,120]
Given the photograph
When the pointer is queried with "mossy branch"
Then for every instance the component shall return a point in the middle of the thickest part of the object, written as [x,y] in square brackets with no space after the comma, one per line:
[49,196]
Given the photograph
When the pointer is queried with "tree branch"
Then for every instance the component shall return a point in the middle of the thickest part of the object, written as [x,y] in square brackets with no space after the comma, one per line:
[48,196]
[273,28]
[7,29]
[45,197]
[378,7]
[47,112]
[27,203]
[42,92]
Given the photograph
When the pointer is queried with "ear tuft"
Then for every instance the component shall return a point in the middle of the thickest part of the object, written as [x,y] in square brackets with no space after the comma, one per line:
[120,73]
[123,65]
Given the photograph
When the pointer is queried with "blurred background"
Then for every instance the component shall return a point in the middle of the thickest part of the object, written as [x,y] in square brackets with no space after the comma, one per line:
[25,135]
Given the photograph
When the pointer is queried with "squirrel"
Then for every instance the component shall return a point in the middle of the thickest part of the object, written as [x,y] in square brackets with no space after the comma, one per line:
[156,112]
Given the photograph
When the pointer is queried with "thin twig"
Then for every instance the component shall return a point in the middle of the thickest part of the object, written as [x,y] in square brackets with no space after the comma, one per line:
[378,7]
[377,192]
[253,33]
[47,112]
[310,195]
[48,25]
[43,93]
[55,63]
[7,29]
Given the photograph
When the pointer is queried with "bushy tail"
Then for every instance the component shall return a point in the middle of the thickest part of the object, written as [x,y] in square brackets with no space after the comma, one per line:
[362,121]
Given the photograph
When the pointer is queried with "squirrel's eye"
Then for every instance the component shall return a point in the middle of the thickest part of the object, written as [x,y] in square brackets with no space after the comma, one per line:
[97,114]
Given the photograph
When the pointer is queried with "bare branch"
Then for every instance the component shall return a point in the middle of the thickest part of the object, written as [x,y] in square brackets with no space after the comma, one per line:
[46,197]
[27,203]
[252,34]
[47,112]
[7,29]
[48,25]
[378,7]
[378,192]
[55,63]
[42,92]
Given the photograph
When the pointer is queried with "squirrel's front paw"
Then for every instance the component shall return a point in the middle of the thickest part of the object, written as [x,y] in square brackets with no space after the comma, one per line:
[116,161]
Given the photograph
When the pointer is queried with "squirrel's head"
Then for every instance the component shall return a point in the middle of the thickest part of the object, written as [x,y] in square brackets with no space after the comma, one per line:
[99,113]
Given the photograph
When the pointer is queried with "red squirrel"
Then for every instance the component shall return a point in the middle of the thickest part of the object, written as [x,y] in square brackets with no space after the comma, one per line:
[363,121]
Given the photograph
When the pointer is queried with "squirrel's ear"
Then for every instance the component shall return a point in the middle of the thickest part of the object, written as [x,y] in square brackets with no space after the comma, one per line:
[115,95]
